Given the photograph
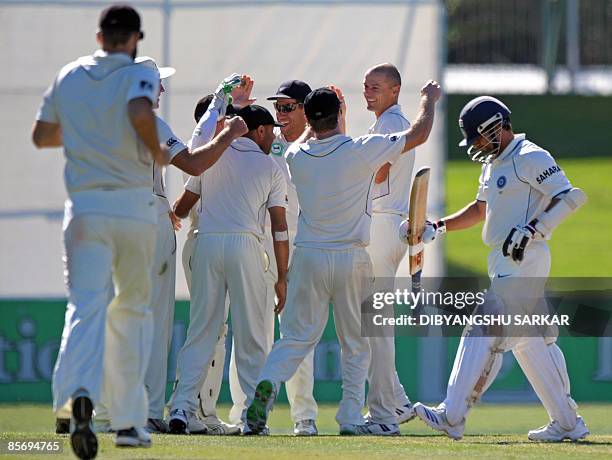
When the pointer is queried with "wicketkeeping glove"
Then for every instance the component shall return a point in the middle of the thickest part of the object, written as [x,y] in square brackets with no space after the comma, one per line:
[222,97]
[517,240]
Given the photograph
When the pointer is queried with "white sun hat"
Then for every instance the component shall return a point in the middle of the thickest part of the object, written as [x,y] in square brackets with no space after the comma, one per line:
[164,72]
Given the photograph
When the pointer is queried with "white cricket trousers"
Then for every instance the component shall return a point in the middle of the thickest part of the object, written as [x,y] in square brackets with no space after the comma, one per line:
[102,340]
[300,386]
[233,264]
[385,392]
[211,388]
[163,275]
[479,358]
[316,278]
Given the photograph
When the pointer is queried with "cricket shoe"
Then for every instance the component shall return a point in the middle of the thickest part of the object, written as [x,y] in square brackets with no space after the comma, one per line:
[351,429]
[257,413]
[133,437]
[183,422]
[156,425]
[435,418]
[382,429]
[405,413]
[218,427]
[306,427]
[246,431]
[82,439]
[62,426]
[102,426]
[554,433]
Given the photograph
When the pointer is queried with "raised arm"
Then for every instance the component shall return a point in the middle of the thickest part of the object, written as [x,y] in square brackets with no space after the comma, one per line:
[142,118]
[418,133]
[206,156]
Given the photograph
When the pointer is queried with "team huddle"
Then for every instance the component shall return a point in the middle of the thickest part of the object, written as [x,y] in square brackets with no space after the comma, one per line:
[287,215]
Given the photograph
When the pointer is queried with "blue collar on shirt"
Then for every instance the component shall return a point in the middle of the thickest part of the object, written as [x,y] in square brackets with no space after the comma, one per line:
[518,138]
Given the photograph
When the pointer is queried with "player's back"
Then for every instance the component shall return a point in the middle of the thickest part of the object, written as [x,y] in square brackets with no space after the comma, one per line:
[333,179]
[238,190]
[91,98]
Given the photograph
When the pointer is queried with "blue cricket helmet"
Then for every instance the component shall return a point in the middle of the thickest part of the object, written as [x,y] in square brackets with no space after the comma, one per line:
[478,114]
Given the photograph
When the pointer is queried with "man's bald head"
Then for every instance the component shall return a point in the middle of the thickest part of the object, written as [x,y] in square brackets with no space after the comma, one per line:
[381,87]
[389,71]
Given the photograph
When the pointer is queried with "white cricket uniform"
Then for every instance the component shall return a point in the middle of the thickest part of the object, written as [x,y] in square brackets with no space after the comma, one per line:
[229,258]
[109,233]
[333,179]
[390,207]
[517,186]
[164,279]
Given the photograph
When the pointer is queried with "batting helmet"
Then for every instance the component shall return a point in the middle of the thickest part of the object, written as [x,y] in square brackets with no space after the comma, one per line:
[483,116]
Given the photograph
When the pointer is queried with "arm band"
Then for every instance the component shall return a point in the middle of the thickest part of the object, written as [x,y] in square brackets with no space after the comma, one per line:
[281,236]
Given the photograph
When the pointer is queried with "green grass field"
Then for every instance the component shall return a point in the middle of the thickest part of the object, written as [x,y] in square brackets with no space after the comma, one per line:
[579,247]
[493,431]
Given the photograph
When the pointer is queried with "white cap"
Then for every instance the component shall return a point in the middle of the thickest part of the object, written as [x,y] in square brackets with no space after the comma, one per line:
[164,72]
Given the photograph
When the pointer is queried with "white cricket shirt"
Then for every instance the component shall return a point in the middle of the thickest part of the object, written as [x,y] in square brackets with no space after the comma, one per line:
[517,186]
[333,178]
[175,146]
[393,195]
[108,169]
[237,191]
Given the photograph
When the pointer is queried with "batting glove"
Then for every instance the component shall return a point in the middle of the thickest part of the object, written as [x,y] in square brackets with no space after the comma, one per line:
[517,241]
[431,231]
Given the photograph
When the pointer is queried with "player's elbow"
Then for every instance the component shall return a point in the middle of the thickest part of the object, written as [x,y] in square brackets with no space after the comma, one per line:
[37,140]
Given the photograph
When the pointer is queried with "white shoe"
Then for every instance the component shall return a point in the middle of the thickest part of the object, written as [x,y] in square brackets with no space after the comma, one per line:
[436,418]
[183,422]
[405,413]
[133,437]
[350,429]
[382,429]
[218,427]
[306,427]
[554,433]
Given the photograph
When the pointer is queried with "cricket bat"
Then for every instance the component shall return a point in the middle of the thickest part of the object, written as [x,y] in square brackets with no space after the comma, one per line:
[416,225]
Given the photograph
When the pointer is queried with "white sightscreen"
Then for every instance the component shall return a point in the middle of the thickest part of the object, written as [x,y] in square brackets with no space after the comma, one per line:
[273,41]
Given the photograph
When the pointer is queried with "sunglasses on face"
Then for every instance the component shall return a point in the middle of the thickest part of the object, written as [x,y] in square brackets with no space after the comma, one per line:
[286,108]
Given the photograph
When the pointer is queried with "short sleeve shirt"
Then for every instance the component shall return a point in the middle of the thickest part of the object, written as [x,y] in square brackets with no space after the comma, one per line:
[333,179]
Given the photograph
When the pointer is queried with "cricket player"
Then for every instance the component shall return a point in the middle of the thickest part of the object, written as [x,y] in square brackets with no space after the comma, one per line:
[164,267]
[387,400]
[333,175]
[229,259]
[523,195]
[209,118]
[99,108]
